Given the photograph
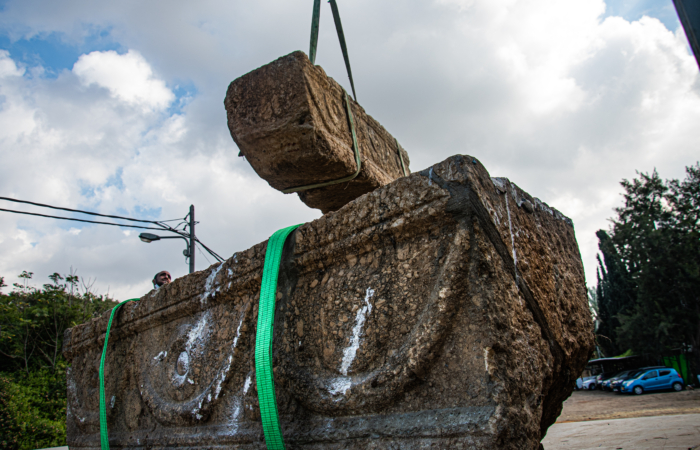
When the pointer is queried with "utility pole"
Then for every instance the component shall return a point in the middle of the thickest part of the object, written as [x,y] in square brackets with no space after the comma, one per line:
[187,235]
[191,238]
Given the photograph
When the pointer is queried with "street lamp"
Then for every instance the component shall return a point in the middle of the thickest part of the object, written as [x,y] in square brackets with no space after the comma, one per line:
[149,237]
[189,251]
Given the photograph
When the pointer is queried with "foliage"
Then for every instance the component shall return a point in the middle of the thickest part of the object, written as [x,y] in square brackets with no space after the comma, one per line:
[649,277]
[33,409]
[32,367]
[32,321]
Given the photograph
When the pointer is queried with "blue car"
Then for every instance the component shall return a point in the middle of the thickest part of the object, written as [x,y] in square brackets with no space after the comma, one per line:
[653,380]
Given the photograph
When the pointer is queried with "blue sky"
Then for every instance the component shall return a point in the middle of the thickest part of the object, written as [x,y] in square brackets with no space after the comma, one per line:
[53,51]
[632,10]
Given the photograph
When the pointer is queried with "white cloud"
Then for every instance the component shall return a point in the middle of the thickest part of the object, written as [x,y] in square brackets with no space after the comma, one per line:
[8,68]
[549,94]
[128,77]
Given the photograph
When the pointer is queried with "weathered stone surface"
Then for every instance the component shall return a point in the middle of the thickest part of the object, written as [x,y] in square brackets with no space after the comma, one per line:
[288,119]
[444,310]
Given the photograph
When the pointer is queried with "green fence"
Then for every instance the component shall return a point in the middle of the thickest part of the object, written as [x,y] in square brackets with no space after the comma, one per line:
[680,363]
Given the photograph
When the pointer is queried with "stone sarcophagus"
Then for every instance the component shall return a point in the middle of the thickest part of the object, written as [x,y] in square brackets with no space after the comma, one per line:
[446,309]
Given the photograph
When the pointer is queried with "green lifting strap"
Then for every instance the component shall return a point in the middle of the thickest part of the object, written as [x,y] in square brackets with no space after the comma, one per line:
[315,19]
[355,148]
[264,375]
[104,436]
[314,30]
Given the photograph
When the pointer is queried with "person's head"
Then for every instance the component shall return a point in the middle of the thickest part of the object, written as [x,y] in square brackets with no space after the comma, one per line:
[161,278]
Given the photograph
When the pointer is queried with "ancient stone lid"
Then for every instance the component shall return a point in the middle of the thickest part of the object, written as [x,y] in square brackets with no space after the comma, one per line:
[289,120]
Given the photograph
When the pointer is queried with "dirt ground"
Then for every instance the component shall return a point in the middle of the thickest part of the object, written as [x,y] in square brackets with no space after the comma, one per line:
[599,405]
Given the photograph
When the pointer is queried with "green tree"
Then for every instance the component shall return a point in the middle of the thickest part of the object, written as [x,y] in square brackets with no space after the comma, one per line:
[32,367]
[649,282]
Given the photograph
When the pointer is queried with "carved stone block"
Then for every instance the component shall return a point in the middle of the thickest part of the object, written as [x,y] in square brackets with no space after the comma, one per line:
[444,310]
[289,120]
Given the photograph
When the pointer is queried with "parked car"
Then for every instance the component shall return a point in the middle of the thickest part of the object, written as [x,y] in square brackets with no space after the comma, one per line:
[653,380]
[586,383]
[603,377]
[607,384]
[579,383]
[619,379]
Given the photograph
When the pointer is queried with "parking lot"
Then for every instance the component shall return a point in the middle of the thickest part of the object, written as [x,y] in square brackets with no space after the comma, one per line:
[600,405]
[603,420]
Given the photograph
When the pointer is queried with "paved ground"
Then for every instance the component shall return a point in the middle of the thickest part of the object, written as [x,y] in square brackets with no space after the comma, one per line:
[602,420]
[658,433]
[598,405]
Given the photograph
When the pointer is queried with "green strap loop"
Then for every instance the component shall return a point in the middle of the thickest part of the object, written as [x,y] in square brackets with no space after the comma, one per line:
[264,375]
[104,436]
[355,148]
[343,47]
[315,19]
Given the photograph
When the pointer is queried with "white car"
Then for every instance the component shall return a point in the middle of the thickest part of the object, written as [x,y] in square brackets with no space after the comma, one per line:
[587,383]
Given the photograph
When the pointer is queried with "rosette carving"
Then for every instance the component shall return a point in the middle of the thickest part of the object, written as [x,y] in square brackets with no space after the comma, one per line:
[371,340]
[182,382]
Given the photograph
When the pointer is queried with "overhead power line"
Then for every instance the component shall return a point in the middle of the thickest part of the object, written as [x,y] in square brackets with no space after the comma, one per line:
[211,252]
[81,220]
[162,225]
[84,212]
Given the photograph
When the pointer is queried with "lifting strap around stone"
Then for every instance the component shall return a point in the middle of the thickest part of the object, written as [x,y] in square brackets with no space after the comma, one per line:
[356,150]
[264,374]
[104,436]
[341,37]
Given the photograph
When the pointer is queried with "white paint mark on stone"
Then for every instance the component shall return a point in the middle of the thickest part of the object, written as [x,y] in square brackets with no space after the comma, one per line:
[197,332]
[189,380]
[162,355]
[236,413]
[340,386]
[499,183]
[360,317]
[222,375]
[233,420]
[195,336]
[111,402]
[209,284]
[246,385]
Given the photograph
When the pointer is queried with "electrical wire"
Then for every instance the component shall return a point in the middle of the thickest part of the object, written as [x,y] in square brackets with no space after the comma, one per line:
[210,251]
[81,220]
[203,254]
[84,212]
[162,224]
